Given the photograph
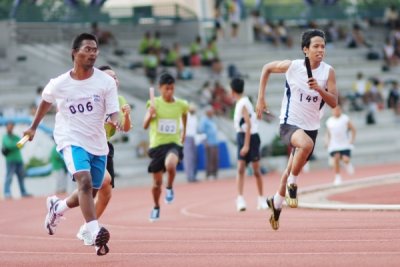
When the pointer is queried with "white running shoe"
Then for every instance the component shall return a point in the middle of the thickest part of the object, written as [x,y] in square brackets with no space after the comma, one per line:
[262,203]
[338,180]
[85,235]
[52,217]
[240,204]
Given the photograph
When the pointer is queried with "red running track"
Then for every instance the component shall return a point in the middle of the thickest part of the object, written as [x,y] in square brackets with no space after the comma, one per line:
[202,228]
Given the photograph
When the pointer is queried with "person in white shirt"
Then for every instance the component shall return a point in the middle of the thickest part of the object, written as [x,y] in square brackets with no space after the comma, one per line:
[340,136]
[83,96]
[301,111]
[248,143]
[189,146]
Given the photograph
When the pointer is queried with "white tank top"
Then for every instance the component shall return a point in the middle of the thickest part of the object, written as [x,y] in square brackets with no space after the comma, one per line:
[302,106]
[339,133]
[238,119]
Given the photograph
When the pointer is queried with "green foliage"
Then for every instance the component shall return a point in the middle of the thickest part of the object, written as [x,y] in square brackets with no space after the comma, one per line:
[35,162]
[278,148]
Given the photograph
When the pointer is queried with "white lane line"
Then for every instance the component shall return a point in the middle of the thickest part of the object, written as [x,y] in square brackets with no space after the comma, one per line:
[20,237]
[217,254]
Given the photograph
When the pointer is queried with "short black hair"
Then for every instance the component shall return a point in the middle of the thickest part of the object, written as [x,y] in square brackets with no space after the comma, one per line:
[166,78]
[237,85]
[104,67]
[308,34]
[77,42]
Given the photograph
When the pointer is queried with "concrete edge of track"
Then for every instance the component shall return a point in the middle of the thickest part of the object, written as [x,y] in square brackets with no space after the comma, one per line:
[315,197]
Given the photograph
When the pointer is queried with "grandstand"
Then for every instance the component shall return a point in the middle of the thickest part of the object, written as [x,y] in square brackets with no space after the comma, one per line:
[39,51]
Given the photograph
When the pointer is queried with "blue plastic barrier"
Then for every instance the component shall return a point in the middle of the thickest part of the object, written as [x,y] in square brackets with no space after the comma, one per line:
[223,153]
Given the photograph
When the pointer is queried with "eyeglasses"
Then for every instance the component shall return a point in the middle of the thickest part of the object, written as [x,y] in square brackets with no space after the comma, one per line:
[88,49]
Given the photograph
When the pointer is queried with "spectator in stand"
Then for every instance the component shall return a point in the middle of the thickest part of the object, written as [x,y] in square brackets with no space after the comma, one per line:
[218,21]
[390,17]
[145,43]
[103,37]
[283,34]
[235,12]
[356,37]
[195,52]
[156,43]
[257,22]
[393,97]
[390,57]
[360,87]
[208,54]
[150,64]
[374,100]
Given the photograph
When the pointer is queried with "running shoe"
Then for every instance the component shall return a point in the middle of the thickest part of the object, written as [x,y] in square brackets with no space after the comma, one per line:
[85,236]
[338,180]
[101,240]
[154,215]
[52,217]
[169,196]
[291,195]
[261,203]
[240,204]
[274,219]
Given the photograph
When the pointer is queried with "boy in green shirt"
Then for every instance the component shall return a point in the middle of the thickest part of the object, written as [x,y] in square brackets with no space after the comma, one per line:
[164,116]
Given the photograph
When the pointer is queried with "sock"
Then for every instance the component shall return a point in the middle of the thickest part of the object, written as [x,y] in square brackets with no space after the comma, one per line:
[61,206]
[338,177]
[278,201]
[292,179]
[93,227]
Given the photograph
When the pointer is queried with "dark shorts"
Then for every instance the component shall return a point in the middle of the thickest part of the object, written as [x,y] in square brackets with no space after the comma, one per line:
[254,150]
[286,131]
[160,153]
[345,152]
[110,163]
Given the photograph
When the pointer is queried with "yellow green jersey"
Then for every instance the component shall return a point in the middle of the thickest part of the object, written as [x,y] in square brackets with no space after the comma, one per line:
[165,128]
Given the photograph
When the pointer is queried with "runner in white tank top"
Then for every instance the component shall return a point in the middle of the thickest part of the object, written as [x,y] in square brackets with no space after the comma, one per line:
[340,136]
[300,112]
[248,144]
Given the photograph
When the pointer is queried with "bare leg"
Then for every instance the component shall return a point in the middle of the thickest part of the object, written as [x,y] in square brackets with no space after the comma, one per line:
[304,145]
[241,168]
[336,163]
[258,176]
[104,195]
[156,190]
[284,176]
[84,196]
[171,161]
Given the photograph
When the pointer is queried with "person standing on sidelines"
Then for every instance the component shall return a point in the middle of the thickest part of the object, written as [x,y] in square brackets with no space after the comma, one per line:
[340,134]
[164,117]
[83,95]
[103,196]
[301,111]
[248,141]
[189,147]
[14,162]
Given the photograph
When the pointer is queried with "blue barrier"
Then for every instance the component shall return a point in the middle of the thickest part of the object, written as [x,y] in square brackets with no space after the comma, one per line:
[223,154]
[25,120]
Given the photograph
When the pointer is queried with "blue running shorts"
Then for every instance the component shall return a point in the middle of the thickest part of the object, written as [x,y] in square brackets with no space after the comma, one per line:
[78,159]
